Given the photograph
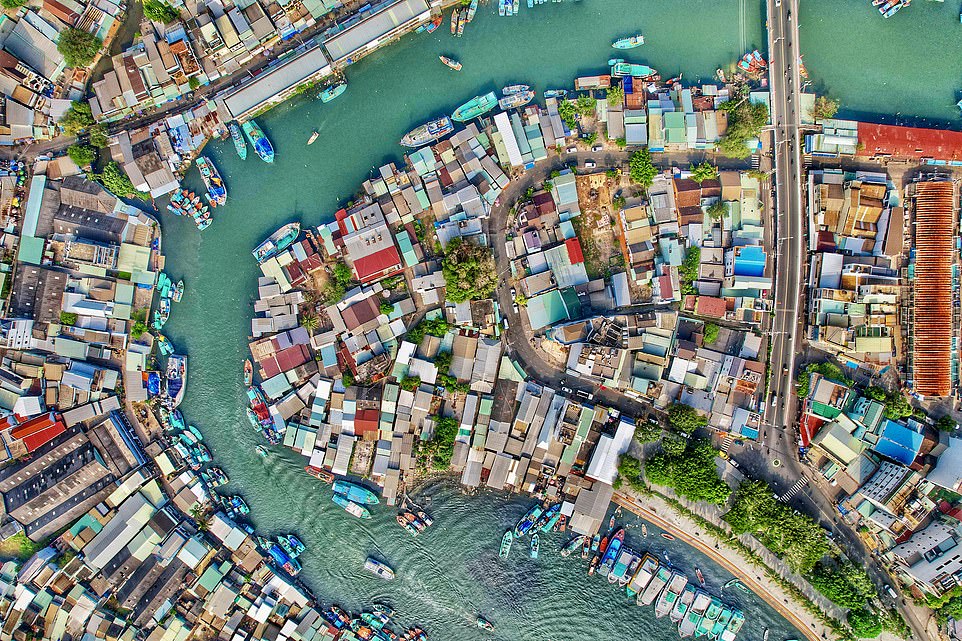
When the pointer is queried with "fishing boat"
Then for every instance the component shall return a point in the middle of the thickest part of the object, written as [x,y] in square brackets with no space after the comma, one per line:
[177,293]
[515,100]
[277,242]
[378,568]
[428,132]
[427,520]
[629,43]
[535,546]
[513,89]
[666,601]
[595,542]
[682,604]
[215,477]
[248,373]
[407,525]
[176,379]
[236,504]
[734,625]
[414,521]
[320,473]
[472,9]
[695,613]
[291,544]
[259,141]
[642,576]
[633,565]
[667,537]
[356,493]
[700,577]
[483,623]
[654,588]
[313,137]
[721,624]
[240,145]
[506,541]
[622,69]
[450,63]
[165,347]
[644,530]
[164,310]
[528,520]
[434,24]
[555,93]
[477,106]
[216,190]
[351,507]
[624,560]
[765,635]
[593,565]
[572,545]
[455,18]
[262,451]
[711,616]
[552,512]
[332,92]
[614,545]
[279,556]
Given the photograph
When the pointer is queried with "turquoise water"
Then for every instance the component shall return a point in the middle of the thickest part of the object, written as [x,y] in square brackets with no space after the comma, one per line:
[907,64]
[449,575]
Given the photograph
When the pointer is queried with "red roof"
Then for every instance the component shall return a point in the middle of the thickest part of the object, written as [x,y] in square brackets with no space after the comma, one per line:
[574,251]
[808,428]
[40,430]
[285,360]
[365,421]
[710,306]
[909,142]
[377,265]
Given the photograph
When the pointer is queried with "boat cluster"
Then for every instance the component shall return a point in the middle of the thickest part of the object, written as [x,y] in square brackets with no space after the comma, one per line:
[187,203]
[354,498]
[168,293]
[889,8]
[460,17]
[372,625]
[283,550]
[536,520]
[651,581]
[414,521]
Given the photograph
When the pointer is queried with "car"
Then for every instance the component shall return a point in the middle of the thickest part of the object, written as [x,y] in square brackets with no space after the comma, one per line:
[566,390]
[892,593]
[784,369]
[734,463]
[597,148]
[590,164]
[572,149]
[515,307]
[585,395]
[504,321]
[514,292]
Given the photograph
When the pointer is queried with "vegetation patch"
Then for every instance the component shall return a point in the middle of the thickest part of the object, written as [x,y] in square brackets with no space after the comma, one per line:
[691,473]
[469,271]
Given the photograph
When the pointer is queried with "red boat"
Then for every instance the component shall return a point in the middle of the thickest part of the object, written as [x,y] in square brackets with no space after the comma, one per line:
[320,474]
[434,24]
[667,536]
[603,546]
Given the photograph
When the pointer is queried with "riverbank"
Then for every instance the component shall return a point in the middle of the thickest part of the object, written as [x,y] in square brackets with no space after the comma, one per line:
[687,530]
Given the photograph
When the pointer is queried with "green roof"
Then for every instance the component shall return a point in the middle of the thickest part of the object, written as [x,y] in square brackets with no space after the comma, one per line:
[31,250]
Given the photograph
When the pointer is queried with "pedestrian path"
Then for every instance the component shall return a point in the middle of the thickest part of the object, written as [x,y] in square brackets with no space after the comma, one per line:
[793,490]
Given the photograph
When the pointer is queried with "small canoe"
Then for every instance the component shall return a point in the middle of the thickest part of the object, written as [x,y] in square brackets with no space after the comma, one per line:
[248,373]
[667,537]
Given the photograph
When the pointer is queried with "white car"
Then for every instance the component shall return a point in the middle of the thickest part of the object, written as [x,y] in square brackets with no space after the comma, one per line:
[597,148]
[504,321]
[590,164]
[573,149]
[515,307]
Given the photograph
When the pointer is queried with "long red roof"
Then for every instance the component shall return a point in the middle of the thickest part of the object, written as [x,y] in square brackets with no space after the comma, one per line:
[40,430]
[377,264]
[909,142]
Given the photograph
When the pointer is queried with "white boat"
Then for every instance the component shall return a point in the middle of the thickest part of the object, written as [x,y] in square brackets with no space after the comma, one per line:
[379,568]
[313,137]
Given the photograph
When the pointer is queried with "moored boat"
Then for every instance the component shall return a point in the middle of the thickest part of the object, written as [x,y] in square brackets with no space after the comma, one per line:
[555,93]
[277,242]
[535,546]
[642,576]
[721,624]
[528,520]
[515,100]
[477,106]
[332,92]
[513,89]
[240,145]
[351,507]
[164,346]
[379,568]
[428,132]
[216,190]
[671,593]
[614,546]
[628,69]
[572,545]
[711,616]
[262,451]
[259,141]
[176,379]
[248,372]
[700,577]
[177,293]
[655,587]
[667,537]
[320,473]
[450,63]
[695,613]
[546,516]
[734,625]
[434,24]
[506,544]
[356,493]
[629,43]
[407,525]
[682,604]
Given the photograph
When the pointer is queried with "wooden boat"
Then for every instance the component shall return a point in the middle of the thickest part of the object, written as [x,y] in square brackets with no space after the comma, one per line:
[248,373]
[667,537]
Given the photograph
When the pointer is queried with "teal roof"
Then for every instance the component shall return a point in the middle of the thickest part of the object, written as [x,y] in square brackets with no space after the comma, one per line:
[30,250]
[546,309]
[31,214]
[407,249]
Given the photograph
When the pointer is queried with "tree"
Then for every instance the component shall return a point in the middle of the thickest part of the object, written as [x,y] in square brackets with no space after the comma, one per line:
[946,423]
[199,514]
[81,154]
[717,211]
[98,136]
[78,47]
[469,271]
[77,118]
[310,322]
[68,318]
[566,110]
[13,4]
[646,432]
[341,277]
[410,383]
[160,11]
[704,171]
[621,143]
[386,308]
[823,108]
[629,471]
[640,168]
[436,327]
[118,183]
[138,330]
[684,418]
[711,333]
[347,379]
[674,444]
[897,406]
[865,624]
[440,448]
[848,586]
[616,96]
[745,121]
[692,473]
[585,106]
[591,138]
[688,271]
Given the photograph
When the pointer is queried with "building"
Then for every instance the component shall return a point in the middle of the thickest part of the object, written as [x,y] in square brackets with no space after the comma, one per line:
[388,21]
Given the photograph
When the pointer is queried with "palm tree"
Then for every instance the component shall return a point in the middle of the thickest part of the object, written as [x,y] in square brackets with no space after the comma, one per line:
[310,322]
[199,514]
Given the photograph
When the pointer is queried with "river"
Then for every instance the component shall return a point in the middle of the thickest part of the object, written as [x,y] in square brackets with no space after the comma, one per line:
[451,573]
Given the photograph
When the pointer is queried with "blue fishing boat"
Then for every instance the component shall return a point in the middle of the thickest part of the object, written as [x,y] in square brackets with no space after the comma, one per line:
[356,493]
[240,145]
[611,553]
[259,141]
[332,92]
[528,520]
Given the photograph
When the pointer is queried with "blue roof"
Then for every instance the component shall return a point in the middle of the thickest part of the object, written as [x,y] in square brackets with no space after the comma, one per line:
[750,261]
[898,442]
